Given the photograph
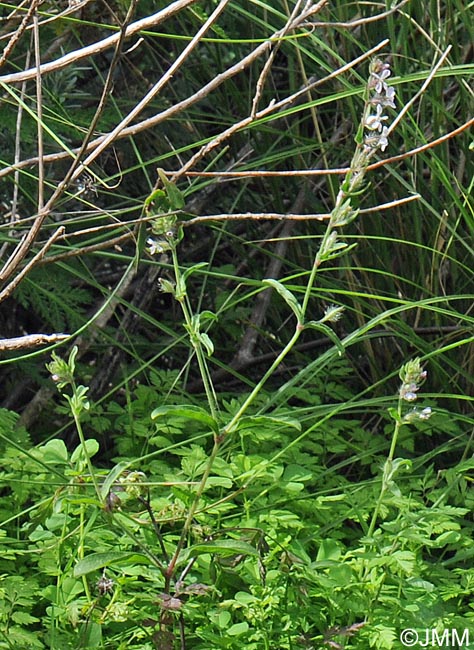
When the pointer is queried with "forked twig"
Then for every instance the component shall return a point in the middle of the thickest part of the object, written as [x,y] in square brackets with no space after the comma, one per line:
[16,281]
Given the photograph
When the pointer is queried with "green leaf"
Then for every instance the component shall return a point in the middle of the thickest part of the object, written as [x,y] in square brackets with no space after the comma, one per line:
[332,336]
[112,477]
[287,296]
[186,411]
[296,473]
[223,548]
[448,537]
[219,481]
[328,550]
[156,195]
[91,633]
[223,619]
[268,421]
[175,196]
[237,629]
[244,598]
[192,269]
[54,451]
[97,561]
[92,447]
[206,342]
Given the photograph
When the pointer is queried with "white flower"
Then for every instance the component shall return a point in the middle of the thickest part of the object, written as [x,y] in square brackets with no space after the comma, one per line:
[383,139]
[408,391]
[154,247]
[426,413]
[374,122]
[380,79]
[415,414]
[384,99]
[390,96]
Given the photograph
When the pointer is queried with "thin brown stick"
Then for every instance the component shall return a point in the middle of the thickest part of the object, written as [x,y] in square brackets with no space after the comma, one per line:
[336,171]
[22,249]
[16,281]
[158,87]
[269,62]
[120,239]
[39,113]
[99,46]
[271,108]
[74,8]
[358,21]
[93,248]
[16,178]
[30,341]
[291,217]
[18,32]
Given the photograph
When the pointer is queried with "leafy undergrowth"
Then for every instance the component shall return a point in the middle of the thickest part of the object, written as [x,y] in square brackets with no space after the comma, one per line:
[306,533]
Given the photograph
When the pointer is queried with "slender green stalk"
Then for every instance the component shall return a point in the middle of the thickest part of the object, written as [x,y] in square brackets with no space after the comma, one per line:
[77,422]
[288,347]
[387,473]
[192,511]
[196,343]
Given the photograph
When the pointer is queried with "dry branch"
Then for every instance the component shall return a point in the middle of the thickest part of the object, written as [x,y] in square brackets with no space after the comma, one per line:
[99,46]
[30,341]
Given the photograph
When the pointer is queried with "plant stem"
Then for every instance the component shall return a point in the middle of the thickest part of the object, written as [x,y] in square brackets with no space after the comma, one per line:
[387,466]
[192,511]
[82,439]
[196,343]
[288,347]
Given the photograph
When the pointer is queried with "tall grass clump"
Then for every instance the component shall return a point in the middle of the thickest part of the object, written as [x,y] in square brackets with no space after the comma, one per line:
[236,325]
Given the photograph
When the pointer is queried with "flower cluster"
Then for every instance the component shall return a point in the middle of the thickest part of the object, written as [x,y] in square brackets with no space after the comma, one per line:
[332,313]
[372,136]
[412,376]
[381,96]
[62,372]
[415,414]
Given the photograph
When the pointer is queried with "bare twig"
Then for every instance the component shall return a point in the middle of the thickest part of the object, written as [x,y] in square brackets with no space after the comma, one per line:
[99,46]
[39,113]
[252,216]
[16,183]
[73,8]
[198,96]
[93,248]
[424,86]
[271,108]
[15,37]
[30,341]
[358,21]
[341,171]
[22,249]
[16,281]
[269,62]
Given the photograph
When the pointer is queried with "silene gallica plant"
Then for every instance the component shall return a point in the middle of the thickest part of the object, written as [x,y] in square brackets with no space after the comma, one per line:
[237,524]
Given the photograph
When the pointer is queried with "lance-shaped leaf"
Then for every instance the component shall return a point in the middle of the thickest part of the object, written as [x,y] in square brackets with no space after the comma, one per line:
[186,411]
[96,561]
[287,296]
[314,324]
[223,548]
